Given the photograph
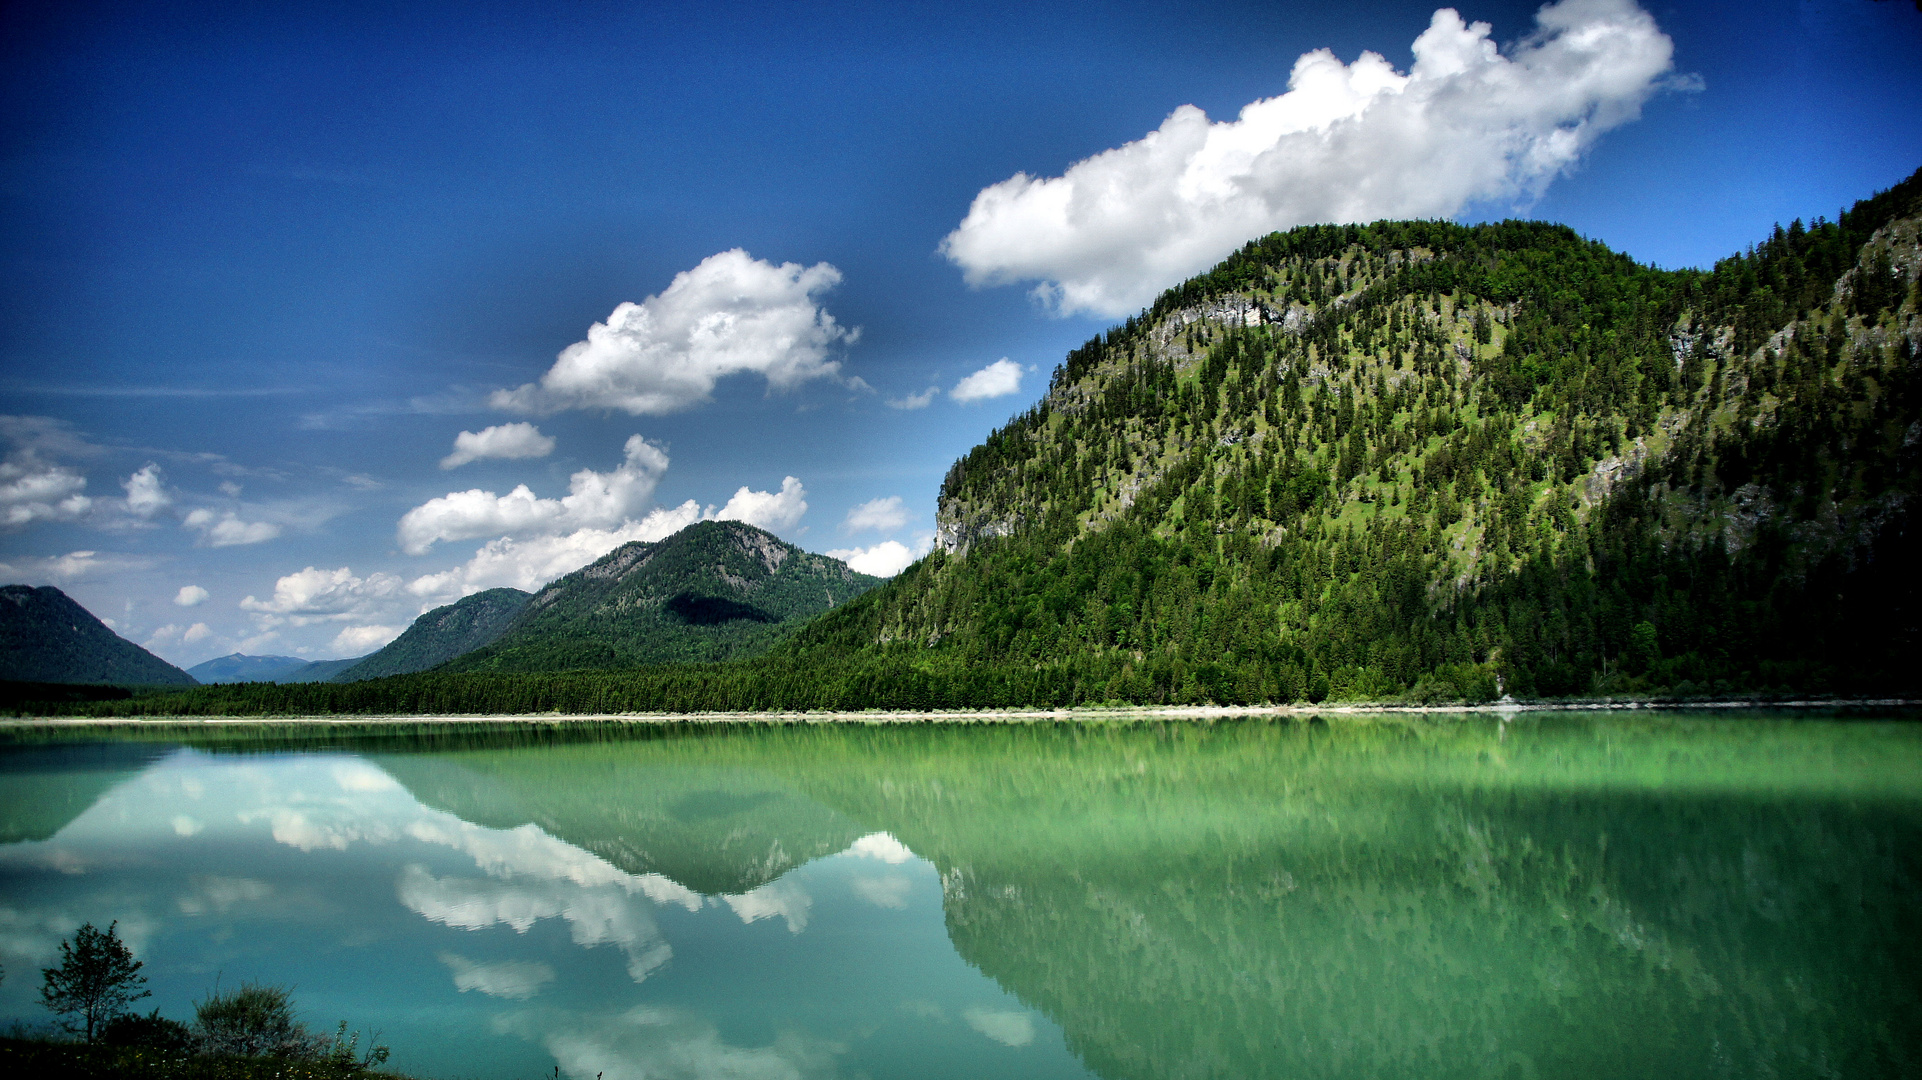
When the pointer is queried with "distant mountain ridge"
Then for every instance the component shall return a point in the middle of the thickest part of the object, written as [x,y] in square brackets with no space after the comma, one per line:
[713,591]
[240,668]
[442,634]
[45,637]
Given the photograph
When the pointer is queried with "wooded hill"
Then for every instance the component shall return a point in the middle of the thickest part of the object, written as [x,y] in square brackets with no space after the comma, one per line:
[442,634]
[1408,460]
[714,590]
[1422,459]
[47,638]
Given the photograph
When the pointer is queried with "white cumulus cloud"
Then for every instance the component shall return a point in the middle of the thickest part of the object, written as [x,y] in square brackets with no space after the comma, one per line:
[528,563]
[1008,1027]
[190,596]
[596,500]
[880,515]
[915,401]
[515,980]
[731,314]
[770,510]
[33,485]
[146,492]
[885,559]
[357,640]
[999,379]
[513,441]
[532,562]
[1346,143]
[32,489]
[74,565]
[175,634]
[313,596]
[227,529]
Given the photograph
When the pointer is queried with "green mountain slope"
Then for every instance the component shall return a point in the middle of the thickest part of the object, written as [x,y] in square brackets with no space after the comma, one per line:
[46,637]
[442,634]
[1422,458]
[714,590]
[239,667]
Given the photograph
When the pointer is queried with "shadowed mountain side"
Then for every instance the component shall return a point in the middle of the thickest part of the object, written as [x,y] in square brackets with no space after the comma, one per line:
[443,634]
[44,788]
[239,667]
[713,829]
[46,637]
[714,590]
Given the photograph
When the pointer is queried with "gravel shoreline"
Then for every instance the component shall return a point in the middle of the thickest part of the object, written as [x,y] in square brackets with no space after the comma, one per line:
[971,716]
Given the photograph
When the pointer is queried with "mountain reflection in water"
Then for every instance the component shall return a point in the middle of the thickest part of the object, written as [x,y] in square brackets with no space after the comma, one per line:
[1608,895]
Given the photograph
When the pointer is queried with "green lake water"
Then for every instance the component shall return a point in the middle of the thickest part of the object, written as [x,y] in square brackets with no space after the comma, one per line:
[1620,895]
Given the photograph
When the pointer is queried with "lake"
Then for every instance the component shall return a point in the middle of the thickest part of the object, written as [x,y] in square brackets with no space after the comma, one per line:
[1610,894]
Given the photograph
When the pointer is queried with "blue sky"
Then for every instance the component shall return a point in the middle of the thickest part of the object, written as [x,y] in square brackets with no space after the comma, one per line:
[285,255]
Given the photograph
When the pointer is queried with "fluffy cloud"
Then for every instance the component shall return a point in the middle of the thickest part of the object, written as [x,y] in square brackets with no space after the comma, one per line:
[885,559]
[606,915]
[532,562]
[515,980]
[32,489]
[1346,143]
[357,640]
[226,529]
[770,510]
[69,567]
[33,485]
[880,515]
[190,596]
[781,899]
[999,379]
[146,493]
[538,540]
[650,1043]
[175,634]
[733,313]
[500,441]
[915,401]
[1009,1027]
[315,596]
[596,500]
[881,846]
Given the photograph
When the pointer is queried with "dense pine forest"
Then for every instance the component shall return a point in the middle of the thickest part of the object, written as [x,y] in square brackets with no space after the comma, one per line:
[1403,461]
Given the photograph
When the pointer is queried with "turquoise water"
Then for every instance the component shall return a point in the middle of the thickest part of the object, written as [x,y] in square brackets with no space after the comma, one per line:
[1646,895]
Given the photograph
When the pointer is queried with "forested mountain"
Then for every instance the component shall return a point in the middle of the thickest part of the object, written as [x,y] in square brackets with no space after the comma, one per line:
[442,634]
[1406,460]
[239,668]
[1416,457]
[714,590]
[45,637]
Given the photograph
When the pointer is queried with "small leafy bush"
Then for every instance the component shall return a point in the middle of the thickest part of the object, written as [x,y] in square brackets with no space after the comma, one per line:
[152,1031]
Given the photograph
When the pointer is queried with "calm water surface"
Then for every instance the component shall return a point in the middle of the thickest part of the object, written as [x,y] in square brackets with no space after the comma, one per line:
[1667,896]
